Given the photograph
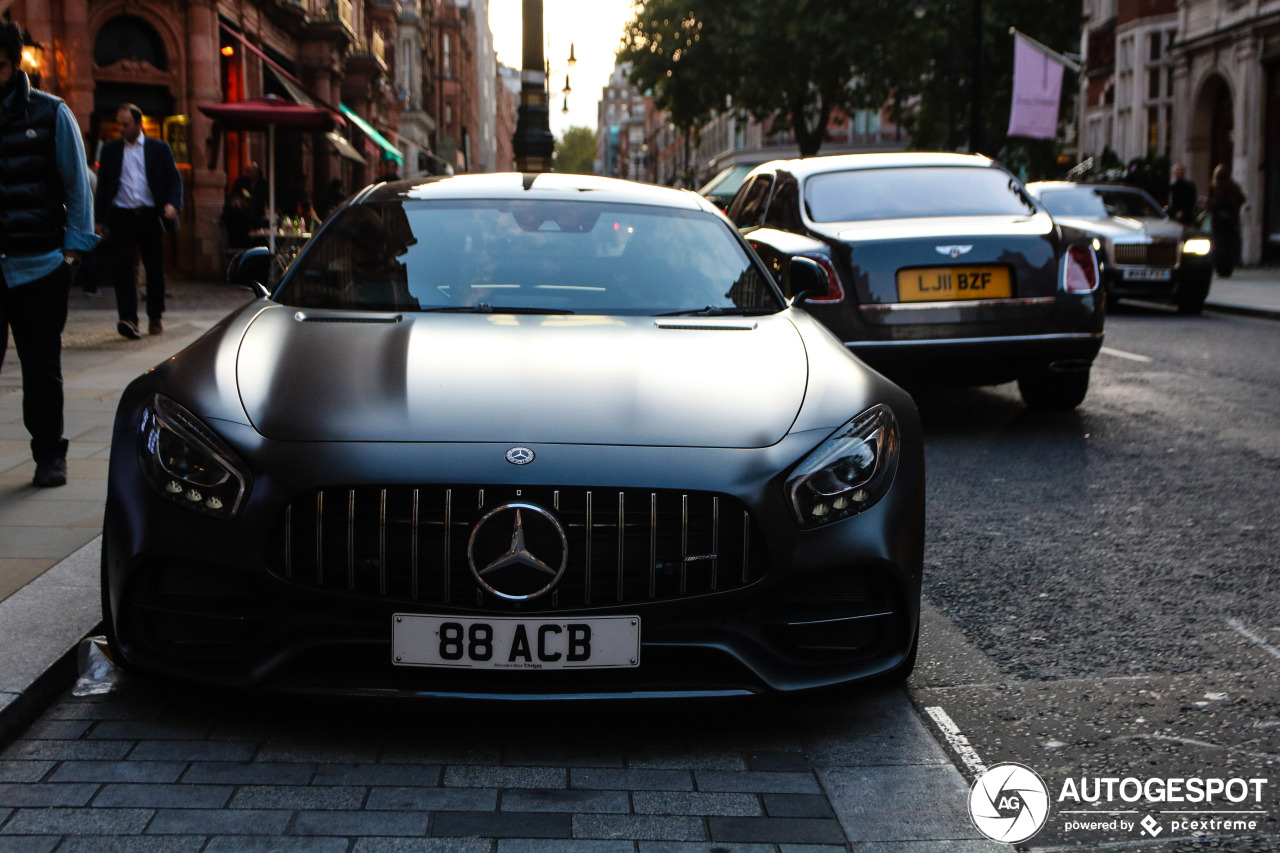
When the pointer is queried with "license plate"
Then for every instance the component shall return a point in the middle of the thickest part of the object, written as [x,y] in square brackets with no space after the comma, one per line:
[515,643]
[938,284]
[1148,274]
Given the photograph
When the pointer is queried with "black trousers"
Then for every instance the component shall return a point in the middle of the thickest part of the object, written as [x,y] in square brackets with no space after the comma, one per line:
[37,311]
[134,232]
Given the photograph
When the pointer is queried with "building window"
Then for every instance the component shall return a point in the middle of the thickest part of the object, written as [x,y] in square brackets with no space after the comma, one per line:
[448,55]
[1153,129]
[1154,41]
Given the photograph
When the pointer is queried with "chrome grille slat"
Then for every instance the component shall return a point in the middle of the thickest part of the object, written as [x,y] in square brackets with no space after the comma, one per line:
[382,530]
[448,539]
[396,543]
[351,539]
[684,543]
[320,538]
[653,544]
[715,539]
[622,539]
[413,545]
[587,539]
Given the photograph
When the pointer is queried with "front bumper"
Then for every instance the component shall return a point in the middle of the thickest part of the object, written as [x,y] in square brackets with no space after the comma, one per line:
[198,598]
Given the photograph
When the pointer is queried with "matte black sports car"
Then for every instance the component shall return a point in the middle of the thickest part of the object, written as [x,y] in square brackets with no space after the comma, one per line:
[940,268]
[1143,253]
[514,435]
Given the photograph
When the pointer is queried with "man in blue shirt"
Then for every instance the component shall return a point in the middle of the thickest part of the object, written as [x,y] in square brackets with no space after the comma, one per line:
[46,222]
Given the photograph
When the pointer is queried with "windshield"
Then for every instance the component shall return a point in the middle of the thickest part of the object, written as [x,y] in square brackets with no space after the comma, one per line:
[913,193]
[1099,202]
[539,256]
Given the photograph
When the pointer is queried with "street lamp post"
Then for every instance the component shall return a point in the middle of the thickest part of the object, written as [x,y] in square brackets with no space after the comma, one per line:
[533,142]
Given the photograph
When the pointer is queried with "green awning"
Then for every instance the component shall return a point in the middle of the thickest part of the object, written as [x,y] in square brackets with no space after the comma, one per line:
[391,152]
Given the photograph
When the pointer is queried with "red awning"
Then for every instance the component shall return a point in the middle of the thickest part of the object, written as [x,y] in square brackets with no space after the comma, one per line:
[261,113]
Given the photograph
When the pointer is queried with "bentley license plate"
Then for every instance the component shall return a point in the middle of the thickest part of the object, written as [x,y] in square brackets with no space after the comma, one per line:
[941,284]
[503,642]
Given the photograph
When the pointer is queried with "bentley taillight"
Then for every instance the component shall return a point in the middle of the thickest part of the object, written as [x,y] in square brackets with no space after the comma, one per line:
[1082,269]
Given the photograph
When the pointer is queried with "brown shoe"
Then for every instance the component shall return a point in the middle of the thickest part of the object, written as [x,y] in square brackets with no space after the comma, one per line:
[155,327]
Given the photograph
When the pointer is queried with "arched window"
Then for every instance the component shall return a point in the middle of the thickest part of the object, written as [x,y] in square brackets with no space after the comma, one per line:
[129,37]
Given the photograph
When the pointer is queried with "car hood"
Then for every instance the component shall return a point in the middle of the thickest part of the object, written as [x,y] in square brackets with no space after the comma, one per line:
[1124,230]
[688,382]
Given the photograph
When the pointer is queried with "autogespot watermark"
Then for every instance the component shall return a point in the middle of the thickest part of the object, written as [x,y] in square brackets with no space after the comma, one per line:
[1011,803]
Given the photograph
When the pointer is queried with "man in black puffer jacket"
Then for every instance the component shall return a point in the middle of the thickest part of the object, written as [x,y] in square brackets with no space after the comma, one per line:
[46,223]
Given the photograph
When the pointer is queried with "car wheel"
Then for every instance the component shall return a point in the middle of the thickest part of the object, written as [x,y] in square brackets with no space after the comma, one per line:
[1056,392]
[1191,301]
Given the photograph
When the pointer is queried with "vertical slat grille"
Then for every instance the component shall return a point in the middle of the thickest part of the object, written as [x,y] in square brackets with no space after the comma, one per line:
[1146,254]
[398,543]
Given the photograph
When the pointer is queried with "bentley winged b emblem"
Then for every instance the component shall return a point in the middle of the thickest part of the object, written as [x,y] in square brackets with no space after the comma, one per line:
[518,574]
[952,251]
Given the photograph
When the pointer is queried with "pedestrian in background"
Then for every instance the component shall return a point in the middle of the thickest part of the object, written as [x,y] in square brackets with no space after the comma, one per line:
[138,185]
[1182,197]
[46,223]
[1225,200]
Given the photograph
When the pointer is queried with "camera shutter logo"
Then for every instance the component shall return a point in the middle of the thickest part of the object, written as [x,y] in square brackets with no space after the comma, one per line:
[1009,803]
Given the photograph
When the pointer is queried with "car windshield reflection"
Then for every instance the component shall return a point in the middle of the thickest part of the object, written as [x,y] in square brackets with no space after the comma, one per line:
[517,256]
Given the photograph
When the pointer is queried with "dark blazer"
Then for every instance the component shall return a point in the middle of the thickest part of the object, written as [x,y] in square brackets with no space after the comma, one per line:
[162,176]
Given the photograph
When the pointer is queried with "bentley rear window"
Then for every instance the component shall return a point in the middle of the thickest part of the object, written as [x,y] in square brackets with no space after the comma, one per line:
[913,193]
[517,255]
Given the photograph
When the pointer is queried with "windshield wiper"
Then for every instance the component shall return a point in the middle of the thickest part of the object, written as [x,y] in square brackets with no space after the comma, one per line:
[713,311]
[486,308]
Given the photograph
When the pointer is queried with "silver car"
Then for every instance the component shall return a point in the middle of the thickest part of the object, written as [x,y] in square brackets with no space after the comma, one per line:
[1142,252]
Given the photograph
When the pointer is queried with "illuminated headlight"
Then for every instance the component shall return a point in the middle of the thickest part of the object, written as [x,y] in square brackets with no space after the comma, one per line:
[1197,246]
[848,472]
[184,461]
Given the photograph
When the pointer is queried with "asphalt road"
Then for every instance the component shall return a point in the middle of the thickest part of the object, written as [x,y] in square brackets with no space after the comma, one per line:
[1106,580]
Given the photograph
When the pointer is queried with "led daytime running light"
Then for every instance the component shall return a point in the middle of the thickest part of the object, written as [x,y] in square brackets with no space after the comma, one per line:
[848,472]
[186,463]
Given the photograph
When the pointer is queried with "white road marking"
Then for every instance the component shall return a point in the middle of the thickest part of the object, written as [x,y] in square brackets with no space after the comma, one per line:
[958,741]
[1238,626]
[1132,356]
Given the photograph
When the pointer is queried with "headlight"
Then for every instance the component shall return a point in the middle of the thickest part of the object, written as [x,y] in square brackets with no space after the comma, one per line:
[1197,246]
[848,472]
[187,463]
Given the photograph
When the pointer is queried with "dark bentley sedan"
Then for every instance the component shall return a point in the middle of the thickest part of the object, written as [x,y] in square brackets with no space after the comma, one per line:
[939,268]
[1143,253]
[505,435]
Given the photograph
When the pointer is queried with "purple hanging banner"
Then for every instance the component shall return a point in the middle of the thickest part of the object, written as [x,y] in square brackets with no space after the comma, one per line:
[1037,90]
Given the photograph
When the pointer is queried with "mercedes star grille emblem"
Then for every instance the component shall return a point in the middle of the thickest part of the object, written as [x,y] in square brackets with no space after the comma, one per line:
[519,456]
[524,563]
[952,251]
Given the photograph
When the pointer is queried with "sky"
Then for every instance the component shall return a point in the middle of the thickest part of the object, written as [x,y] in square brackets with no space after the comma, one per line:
[594,27]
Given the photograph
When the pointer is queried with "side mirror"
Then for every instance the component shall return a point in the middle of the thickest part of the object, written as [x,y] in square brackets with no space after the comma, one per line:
[251,268]
[808,279]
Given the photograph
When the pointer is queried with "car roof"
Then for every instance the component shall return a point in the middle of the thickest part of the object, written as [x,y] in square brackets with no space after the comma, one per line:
[548,186]
[806,166]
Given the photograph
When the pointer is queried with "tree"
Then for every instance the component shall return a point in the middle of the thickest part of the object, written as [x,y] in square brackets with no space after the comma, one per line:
[943,114]
[796,61]
[575,151]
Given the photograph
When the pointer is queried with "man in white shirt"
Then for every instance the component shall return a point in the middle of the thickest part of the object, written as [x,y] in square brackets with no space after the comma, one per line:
[138,183]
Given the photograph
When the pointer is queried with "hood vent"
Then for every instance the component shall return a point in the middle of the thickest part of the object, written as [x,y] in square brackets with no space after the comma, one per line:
[302,317]
[705,327]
